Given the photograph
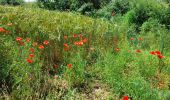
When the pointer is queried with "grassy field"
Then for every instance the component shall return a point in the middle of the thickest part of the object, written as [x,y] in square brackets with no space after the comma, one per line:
[52,55]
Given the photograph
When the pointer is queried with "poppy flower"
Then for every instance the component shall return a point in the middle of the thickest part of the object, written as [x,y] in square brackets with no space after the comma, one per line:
[28,39]
[125,98]
[55,66]
[31,50]
[66,48]
[158,52]
[18,39]
[140,39]
[29,60]
[70,66]
[74,35]
[131,38]
[31,55]
[65,37]
[138,51]
[66,45]
[41,47]
[161,56]
[78,43]
[2,30]
[153,53]
[21,43]
[81,36]
[46,42]
[84,40]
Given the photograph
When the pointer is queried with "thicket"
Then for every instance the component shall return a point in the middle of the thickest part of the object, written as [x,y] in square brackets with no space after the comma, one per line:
[11,2]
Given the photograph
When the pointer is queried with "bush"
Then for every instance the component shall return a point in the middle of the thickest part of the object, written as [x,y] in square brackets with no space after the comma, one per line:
[11,2]
[72,5]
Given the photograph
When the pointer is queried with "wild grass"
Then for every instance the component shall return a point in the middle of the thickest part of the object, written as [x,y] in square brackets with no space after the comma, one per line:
[59,55]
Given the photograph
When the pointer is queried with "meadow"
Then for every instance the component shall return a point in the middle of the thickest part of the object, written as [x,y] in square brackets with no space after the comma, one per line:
[62,55]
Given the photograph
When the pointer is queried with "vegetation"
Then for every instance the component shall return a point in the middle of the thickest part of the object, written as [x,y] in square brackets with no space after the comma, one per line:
[119,51]
[11,2]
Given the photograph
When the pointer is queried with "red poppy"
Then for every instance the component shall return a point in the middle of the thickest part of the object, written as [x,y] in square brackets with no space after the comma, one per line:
[81,36]
[131,38]
[31,55]
[55,66]
[158,52]
[18,39]
[21,43]
[153,53]
[161,56]
[46,42]
[41,47]
[78,43]
[140,39]
[65,37]
[28,39]
[31,50]
[29,60]
[84,40]
[74,35]
[66,45]
[125,98]
[66,48]
[138,51]
[2,30]
[70,66]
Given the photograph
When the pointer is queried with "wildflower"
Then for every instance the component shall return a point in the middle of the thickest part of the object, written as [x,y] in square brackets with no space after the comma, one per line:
[55,66]
[74,35]
[66,45]
[84,40]
[81,36]
[140,39]
[21,43]
[31,55]
[29,60]
[138,51]
[18,39]
[9,24]
[158,52]
[28,39]
[131,38]
[161,56]
[41,47]
[70,66]
[66,48]
[125,98]
[31,50]
[2,30]
[65,37]
[78,43]
[153,53]
[46,42]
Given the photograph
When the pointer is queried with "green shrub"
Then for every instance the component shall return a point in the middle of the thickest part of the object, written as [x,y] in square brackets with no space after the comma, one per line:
[11,2]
